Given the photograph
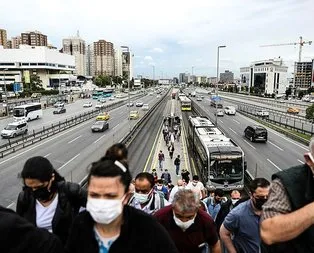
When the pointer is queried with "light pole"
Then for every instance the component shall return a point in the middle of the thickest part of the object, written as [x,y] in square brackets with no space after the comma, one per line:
[6,93]
[129,101]
[217,81]
[192,75]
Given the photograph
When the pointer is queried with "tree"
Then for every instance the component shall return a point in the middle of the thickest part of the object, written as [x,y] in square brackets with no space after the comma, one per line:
[309,113]
[301,94]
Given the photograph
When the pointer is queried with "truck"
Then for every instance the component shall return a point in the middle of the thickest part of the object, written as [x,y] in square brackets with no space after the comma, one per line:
[216,101]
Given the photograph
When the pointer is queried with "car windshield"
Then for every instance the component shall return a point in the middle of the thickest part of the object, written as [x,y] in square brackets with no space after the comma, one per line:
[18,112]
[226,166]
[10,127]
[98,123]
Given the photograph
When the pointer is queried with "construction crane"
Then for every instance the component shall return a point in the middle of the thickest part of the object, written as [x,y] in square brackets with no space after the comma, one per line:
[301,43]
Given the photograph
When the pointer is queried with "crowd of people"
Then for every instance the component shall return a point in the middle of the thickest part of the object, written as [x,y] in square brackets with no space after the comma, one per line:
[117,213]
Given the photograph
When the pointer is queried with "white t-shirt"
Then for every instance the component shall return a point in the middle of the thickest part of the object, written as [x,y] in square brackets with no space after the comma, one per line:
[105,241]
[45,214]
[198,188]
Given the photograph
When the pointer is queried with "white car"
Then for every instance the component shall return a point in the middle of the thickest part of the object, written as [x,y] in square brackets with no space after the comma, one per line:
[198,99]
[145,107]
[99,106]
[88,104]
[230,110]
[139,104]
[58,104]
[262,113]
[112,98]
[219,113]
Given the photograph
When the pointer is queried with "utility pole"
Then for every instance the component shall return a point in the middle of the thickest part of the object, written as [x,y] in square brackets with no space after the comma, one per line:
[6,94]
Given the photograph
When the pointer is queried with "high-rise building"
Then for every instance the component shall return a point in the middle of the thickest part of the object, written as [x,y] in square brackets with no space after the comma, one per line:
[3,38]
[118,62]
[175,80]
[303,75]
[16,42]
[103,58]
[181,77]
[9,44]
[35,38]
[76,46]
[226,77]
[90,60]
[127,62]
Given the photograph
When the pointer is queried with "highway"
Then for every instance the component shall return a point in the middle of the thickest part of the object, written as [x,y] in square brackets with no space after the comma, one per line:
[72,109]
[71,152]
[263,159]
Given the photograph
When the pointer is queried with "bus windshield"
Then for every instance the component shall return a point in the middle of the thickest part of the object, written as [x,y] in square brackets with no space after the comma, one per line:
[18,112]
[226,167]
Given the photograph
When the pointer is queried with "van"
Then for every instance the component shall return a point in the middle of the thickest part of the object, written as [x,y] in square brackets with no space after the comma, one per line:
[230,110]
[256,133]
[14,129]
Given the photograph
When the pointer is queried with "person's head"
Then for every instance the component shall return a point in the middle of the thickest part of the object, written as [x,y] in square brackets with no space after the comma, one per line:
[195,180]
[235,196]
[309,155]
[108,184]
[178,156]
[218,195]
[118,152]
[160,151]
[185,206]
[259,189]
[180,182]
[159,184]
[144,183]
[166,170]
[41,178]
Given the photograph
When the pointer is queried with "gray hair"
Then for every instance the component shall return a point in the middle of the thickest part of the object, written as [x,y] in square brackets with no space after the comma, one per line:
[186,200]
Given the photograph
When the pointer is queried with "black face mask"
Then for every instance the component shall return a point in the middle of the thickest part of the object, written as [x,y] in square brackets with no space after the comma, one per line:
[258,203]
[43,194]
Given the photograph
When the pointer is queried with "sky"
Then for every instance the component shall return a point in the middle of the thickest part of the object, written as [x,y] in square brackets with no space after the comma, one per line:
[174,36]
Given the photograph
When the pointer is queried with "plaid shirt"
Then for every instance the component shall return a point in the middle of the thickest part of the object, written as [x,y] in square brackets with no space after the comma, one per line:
[278,201]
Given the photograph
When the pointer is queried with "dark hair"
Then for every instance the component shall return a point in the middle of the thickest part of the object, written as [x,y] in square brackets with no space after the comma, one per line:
[106,167]
[219,192]
[117,151]
[195,177]
[145,175]
[160,181]
[258,182]
[40,168]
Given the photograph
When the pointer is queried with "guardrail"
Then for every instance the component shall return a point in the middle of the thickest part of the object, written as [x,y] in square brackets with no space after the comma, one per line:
[45,132]
[127,140]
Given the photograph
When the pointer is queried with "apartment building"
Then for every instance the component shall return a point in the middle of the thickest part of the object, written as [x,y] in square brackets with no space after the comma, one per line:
[34,38]
[3,38]
[103,58]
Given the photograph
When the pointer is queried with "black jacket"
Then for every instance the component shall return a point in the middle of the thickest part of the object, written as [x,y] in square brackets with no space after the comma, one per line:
[17,235]
[140,233]
[223,212]
[70,198]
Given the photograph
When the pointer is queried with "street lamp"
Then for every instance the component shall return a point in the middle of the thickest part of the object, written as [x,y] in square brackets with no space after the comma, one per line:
[5,92]
[217,80]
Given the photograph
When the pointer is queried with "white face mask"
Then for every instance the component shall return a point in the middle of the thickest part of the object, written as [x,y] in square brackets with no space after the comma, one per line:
[140,197]
[184,225]
[159,187]
[104,211]
[233,201]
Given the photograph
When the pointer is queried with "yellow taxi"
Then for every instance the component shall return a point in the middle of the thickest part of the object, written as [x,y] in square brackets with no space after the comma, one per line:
[293,110]
[134,115]
[103,116]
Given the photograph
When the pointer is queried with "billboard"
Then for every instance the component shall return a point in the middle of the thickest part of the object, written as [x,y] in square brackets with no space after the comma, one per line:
[27,78]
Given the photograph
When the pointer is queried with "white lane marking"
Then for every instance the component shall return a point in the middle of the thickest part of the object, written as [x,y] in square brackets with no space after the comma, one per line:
[249,174]
[42,143]
[236,121]
[221,121]
[249,144]
[233,131]
[68,162]
[275,145]
[274,165]
[75,139]
[278,134]
[9,206]
[100,138]
[83,180]
[47,155]
[116,126]
[300,161]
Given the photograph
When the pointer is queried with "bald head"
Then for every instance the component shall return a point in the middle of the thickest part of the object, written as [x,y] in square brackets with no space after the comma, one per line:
[180,182]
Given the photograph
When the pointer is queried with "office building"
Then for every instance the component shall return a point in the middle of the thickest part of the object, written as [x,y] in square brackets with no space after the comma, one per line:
[226,77]
[175,80]
[76,46]
[3,38]
[103,58]
[303,72]
[28,60]
[265,77]
[34,38]
[16,42]
[127,62]
[90,60]
[181,77]
[118,62]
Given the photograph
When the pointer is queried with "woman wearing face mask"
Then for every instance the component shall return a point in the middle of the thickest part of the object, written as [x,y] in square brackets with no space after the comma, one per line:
[47,200]
[108,224]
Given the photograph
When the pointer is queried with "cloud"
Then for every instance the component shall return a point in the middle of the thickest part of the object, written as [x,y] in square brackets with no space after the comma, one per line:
[148,58]
[157,50]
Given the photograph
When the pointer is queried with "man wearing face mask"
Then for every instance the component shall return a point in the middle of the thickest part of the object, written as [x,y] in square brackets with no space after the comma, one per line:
[191,229]
[179,186]
[196,186]
[145,197]
[109,224]
[242,222]
[288,215]
[214,203]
